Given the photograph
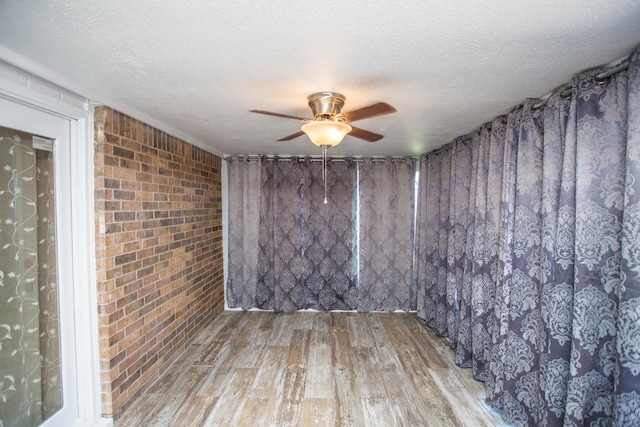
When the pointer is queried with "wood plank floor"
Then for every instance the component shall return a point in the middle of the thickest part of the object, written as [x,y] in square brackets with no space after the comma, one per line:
[314,369]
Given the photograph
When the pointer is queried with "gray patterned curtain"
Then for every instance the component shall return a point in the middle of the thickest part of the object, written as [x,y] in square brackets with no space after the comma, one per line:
[427,238]
[30,388]
[548,309]
[307,248]
[244,177]
[626,404]
[288,250]
[386,235]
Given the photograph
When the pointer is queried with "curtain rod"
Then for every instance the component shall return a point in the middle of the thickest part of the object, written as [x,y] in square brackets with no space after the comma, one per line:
[600,77]
[610,72]
[319,159]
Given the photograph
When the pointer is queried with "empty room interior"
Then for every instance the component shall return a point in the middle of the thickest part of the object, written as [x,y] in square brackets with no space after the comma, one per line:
[319,214]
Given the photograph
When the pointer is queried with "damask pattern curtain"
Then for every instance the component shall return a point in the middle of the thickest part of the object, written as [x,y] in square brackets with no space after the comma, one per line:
[548,309]
[440,237]
[288,250]
[386,235]
[306,247]
[627,398]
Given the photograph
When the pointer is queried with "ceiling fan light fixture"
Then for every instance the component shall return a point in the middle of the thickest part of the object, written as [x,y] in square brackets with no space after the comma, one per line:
[326,132]
[329,126]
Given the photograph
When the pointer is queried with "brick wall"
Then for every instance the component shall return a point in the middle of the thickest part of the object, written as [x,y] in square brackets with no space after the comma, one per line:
[158,251]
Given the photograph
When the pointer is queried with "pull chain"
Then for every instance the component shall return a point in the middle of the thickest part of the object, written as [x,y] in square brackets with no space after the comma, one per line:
[324,171]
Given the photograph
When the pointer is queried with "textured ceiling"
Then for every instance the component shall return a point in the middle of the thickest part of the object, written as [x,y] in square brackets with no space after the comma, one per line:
[195,68]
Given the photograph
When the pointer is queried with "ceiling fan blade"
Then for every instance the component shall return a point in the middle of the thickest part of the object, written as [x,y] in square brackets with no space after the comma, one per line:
[379,109]
[292,136]
[365,134]
[271,113]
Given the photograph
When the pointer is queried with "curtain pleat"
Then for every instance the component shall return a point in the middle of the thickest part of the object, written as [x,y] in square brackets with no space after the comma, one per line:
[266,247]
[463,346]
[601,112]
[428,238]
[457,240]
[480,294]
[244,213]
[492,266]
[555,295]
[626,403]
[548,310]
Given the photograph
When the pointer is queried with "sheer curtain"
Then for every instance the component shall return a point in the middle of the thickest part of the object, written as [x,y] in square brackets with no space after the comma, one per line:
[30,388]
[386,234]
[548,309]
[48,285]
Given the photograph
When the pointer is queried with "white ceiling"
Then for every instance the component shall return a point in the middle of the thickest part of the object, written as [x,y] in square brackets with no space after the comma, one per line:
[195,68]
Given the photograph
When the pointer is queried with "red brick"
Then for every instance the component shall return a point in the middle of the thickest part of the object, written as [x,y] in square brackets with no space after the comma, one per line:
[155,293]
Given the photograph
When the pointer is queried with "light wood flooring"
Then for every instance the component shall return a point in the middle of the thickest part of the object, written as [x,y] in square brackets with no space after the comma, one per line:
[314,369]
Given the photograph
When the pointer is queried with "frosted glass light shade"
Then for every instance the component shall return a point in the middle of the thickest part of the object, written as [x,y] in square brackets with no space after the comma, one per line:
[326,132]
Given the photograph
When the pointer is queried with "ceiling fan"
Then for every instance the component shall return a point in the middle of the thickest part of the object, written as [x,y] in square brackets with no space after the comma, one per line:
[329,126]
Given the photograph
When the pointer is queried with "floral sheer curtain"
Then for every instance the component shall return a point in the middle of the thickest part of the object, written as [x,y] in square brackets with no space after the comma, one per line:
[30,389]
[548,308]
[48,286]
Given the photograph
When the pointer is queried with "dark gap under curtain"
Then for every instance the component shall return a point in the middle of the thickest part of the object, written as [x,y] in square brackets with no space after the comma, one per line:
[528,254]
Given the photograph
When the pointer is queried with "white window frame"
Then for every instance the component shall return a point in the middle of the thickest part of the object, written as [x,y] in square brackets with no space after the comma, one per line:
[20,86]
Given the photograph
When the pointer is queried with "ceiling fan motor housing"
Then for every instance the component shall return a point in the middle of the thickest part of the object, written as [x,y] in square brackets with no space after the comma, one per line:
[327,105]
